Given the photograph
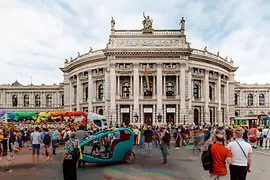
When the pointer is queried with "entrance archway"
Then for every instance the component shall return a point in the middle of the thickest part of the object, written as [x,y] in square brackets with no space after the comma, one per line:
[196,116]
[100,112]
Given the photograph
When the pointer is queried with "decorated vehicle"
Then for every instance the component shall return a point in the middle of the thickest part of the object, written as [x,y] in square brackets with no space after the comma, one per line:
[108,146]
[96,119]
[244,121]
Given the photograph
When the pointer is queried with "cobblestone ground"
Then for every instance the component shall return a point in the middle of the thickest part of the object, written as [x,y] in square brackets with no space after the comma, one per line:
[183,165]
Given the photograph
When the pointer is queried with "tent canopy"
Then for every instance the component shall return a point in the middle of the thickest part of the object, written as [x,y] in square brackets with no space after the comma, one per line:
[94,116]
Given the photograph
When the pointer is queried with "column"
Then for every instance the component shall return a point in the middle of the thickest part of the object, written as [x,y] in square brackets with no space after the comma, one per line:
[176,115]
[182,91]
[113,92]
[118,87]
[119,117]
[131,87]
[131,114]
[154,115]
[32,101]
[164,86]
[164,114]
[70,100]
[159,89]
[141,120]
[190,90]
[136,93]
[177,86]
[58,103]
[206,97]
[90,92]
[154,86]
[141,86]
[219,113]
[78,94]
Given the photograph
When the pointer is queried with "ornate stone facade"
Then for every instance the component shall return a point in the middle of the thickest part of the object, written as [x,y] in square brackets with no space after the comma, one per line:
[186,85]
[31,98]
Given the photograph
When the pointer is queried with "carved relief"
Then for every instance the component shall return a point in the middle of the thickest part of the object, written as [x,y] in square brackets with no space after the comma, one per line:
[150,43]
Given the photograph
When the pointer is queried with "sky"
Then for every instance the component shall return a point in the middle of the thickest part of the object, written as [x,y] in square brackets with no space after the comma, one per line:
[38,35]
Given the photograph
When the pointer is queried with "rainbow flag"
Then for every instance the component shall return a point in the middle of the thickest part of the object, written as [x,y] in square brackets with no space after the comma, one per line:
[147,79]
[17,149]
[139,139]
[181,141]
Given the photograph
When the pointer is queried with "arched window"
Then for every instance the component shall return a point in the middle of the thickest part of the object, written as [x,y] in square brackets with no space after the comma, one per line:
[195,91]
[196,116]
[100,112]
[37,100]
[261,99]
[86,93]
[170,89]
[49,101]
[62,100]
[26,101]
[250,100]
[100,91]
[235,99]
[125,89]
[14,100]
[211,92]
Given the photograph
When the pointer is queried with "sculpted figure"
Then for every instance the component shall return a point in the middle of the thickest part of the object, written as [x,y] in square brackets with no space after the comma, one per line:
[182,23]
[147,22]
[226,58]
[205,48]
[91,49]
[66,61]
[79,54]
[231,60]
[71,59]
[112,23]
[218,53]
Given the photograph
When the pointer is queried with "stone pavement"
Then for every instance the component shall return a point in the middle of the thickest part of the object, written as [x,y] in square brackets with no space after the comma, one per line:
[183,165]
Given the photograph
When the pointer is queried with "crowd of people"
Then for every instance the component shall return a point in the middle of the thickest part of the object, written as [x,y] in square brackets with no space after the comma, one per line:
[44,138]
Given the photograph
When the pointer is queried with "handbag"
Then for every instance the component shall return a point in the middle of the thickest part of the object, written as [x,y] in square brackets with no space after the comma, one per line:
[265,136]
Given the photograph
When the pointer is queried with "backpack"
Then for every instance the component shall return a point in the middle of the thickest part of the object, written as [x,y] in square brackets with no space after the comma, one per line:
[75,152]
[207,160]
[47,139]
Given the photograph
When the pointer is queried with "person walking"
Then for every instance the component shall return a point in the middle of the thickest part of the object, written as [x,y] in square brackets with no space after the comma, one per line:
[241,153]
[35,140]
[220,155]
[165,141]
[69,161]
[148,139]
[266,137]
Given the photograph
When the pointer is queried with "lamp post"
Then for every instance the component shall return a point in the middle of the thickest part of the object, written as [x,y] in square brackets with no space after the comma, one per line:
[136,117]
[159,117]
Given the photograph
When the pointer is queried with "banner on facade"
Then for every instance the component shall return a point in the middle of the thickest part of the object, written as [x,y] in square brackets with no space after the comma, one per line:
[147,110]
[124,110]
[170,110]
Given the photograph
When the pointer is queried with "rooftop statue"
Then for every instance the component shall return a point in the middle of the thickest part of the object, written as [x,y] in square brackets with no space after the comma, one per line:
[147,22]
[66,61]
[218,53]
[112,24]
[231,60]
[90,50]
[182,24]
[79,54]
[205,48]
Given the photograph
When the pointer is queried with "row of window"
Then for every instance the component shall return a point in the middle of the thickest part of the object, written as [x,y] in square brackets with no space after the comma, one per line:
[196,92]
[37,100]
[250,99]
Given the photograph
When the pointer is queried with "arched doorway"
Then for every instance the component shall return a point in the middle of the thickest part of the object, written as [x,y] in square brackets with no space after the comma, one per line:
[100,112]
[196,116]
[211,116]
[236,114]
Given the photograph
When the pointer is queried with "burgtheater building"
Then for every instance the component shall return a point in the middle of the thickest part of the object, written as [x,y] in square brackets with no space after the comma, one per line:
[187,85]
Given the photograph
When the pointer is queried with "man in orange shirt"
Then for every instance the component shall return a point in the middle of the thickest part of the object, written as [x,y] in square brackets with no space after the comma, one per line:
[220,155]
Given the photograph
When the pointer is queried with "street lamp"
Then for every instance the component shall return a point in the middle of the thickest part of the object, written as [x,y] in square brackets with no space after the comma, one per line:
[136,117]
[159,117]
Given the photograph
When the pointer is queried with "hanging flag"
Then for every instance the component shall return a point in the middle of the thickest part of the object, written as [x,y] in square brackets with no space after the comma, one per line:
[147,79]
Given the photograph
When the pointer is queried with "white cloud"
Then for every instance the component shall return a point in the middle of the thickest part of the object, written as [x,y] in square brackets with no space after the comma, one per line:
[36,36]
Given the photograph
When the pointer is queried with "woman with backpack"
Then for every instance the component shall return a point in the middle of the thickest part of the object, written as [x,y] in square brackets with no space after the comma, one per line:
[70,158]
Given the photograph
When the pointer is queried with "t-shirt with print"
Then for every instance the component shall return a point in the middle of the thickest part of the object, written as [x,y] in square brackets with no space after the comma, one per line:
[69,147]
[219,155]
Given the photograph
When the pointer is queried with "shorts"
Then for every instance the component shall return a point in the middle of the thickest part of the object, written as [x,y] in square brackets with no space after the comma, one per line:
[47,148]
[35,149]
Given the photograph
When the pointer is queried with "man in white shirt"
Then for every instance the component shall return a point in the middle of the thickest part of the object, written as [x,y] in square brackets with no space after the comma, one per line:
[136,132]
[35,140]
[266,137]
[241,156]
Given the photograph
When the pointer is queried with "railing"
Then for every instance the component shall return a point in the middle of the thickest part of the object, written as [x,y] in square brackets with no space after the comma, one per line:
[140,32]
[208,54]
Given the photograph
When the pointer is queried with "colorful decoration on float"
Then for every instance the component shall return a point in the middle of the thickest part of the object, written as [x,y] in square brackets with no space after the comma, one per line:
[3,112]
[147,79]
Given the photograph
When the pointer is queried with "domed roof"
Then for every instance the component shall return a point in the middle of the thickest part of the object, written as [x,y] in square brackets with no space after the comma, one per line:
[16,83]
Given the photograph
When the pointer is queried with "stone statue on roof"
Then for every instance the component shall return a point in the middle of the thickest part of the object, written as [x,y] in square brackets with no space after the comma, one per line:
[218,53]
[226,58]
[66,61]
[205,48]
[90,50]
[79,54]
[112,24]
[231,60]
[182,24]
[147,22]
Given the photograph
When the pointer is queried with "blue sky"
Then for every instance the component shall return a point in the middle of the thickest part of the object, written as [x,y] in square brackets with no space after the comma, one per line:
[37,35]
